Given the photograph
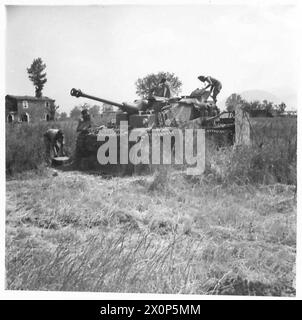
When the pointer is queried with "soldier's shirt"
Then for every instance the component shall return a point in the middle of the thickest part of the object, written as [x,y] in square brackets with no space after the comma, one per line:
[214,82]
[163,91]
[51,135]
[84,125]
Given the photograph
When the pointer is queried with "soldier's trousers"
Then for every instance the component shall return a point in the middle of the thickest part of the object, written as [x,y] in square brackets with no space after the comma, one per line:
[51,148]
[216,90]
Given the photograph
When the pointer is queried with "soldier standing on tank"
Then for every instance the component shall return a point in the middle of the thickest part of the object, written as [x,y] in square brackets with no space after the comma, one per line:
[85,123]
[214,84]
[162,90]
[54,143]
[159,95]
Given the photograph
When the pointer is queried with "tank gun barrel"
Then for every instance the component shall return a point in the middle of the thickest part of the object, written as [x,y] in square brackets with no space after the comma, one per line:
[131,109]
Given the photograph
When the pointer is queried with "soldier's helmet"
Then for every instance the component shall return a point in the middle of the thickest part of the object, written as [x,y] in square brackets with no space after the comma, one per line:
[163,80]
[201,78]
[85,112]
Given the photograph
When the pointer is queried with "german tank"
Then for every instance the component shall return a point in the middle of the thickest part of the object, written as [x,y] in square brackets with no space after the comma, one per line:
[157,115]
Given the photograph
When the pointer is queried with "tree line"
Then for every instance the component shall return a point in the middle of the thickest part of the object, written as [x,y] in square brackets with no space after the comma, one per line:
[254,107]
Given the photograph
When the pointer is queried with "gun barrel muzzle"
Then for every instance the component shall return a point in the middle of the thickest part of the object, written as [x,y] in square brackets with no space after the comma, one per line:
[75,92]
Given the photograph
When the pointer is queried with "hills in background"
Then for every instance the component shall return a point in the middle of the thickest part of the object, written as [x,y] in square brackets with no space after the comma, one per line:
[290,99]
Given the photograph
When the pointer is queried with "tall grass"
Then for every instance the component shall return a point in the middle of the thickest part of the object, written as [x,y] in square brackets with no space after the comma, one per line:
[271,157]
[172,234]
[81,232]
[25,148]
[124,263]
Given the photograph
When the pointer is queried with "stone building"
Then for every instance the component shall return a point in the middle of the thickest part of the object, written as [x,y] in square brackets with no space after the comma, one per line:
[27,108]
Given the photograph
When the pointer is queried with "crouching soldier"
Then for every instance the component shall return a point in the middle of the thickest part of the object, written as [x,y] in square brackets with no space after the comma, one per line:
[54,143]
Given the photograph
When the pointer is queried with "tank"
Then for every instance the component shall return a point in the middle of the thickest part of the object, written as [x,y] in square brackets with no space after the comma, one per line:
[156,114]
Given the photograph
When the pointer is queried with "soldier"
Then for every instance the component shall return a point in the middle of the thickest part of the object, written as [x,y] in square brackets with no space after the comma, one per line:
[214,84]
[84,123]
[162,90]
[54,143]
[159,97]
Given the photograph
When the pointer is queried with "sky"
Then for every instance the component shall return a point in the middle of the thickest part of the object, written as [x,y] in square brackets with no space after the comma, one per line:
[103,50]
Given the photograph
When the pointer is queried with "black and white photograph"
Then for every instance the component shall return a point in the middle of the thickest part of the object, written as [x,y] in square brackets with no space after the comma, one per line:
[151,148]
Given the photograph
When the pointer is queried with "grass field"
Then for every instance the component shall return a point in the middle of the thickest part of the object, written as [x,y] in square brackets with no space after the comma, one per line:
[74,231]
[229,232]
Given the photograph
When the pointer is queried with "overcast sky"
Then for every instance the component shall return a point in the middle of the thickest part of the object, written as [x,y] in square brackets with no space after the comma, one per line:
[104,49]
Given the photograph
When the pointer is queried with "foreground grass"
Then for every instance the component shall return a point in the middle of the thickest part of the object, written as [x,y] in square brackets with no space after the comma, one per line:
[74,231]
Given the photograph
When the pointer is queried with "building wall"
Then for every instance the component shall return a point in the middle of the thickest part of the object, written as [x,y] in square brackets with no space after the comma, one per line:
[34,109]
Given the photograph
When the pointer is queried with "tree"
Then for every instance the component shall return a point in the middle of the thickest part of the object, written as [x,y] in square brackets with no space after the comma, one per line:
[145,85]
[233,101]
[267,106]
[37,76]
[75,113]
[52,110]
[252,106]
[63,116]
[107,107]
[281,107]
[94,110]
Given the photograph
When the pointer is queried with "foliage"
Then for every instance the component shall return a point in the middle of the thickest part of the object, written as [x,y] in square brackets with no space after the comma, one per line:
[107,107]
[75,113]
[63,116]
[271,157]
[145,85]
[94,110]
[231,231]
[37,76]
[232,101]
[281,107]
[52,111]
[25,147]
[267,107]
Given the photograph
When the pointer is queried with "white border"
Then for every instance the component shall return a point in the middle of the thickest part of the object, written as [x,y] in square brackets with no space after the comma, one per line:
[43,295]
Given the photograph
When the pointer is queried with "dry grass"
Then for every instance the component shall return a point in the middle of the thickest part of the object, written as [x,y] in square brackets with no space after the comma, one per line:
[271,157]
[232,231]
[25,148]
[71,231]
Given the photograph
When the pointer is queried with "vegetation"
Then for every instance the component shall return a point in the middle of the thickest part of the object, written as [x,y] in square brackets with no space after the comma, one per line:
[144,86]
[25,149]
[73,231]
[52,111]
[271,158]
[37,75]
[231,231]
[63,116]
[252,107]
[75,113]
[94,110]
[232,101]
